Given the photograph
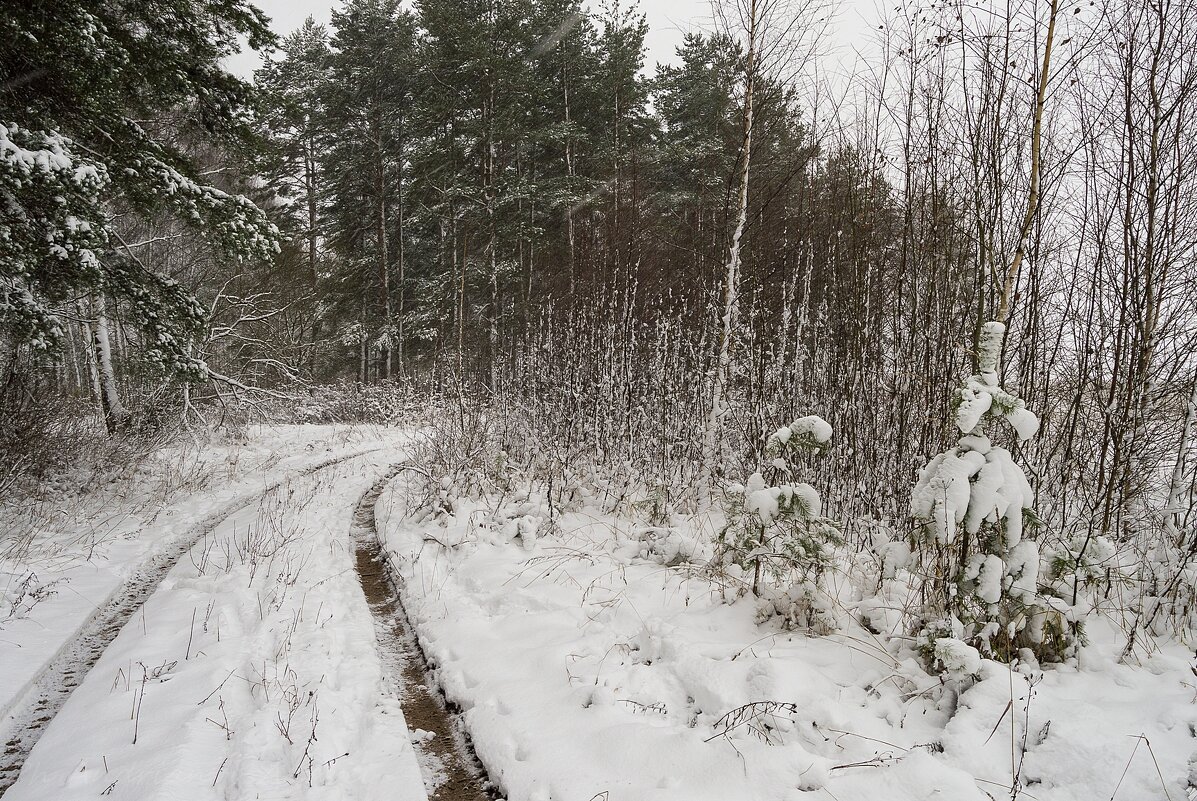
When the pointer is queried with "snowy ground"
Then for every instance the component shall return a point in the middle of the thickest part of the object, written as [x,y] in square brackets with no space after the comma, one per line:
[67,552]
[586,669]
[590,672]
[252,670]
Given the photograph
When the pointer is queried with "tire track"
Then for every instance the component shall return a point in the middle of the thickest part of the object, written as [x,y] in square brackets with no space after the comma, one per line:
[451,768]
[28,717]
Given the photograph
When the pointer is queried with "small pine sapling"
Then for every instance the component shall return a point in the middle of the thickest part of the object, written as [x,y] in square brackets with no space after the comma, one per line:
[973,507]
[1089,564]
[775,526]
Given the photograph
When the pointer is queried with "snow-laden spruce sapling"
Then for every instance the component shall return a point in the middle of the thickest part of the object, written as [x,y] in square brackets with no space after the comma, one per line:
[1167,557]
[1084,564]
[974,508]
[775,527]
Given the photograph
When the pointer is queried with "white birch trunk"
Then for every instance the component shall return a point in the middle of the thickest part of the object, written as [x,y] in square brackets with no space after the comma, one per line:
[115,413]
[712,431]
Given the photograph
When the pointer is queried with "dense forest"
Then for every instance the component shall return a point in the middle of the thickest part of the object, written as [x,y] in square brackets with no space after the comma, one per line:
[588,264]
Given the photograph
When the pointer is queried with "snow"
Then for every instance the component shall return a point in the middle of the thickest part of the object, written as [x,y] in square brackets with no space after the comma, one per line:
[958,658]
[975,402]
[251,672]
[53,157]
[943,492]
[1022,566]
[766,502]
[87,547]
[586,670]
[991,570]
[1024,421]
[592,655]
[810,429]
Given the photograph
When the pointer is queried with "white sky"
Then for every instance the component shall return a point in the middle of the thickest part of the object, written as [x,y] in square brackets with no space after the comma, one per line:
[668,20]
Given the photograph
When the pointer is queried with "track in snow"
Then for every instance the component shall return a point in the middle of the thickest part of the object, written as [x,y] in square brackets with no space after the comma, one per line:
[26,721]
[451,769]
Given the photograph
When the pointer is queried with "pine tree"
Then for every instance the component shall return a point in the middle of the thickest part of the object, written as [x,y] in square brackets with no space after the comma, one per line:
[976,512]
[696,105]
[367,100]
[292,122]
[564,129]
[81,81]
[774,524]
[696,149]
[627,132]
[478,169]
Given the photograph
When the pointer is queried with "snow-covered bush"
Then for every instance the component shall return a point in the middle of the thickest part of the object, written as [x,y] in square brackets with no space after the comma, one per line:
[1085,566]
[1167,556]
[1166,602]
[975,509]
[956,658]
[487,464]
[656,504]
[879,573]
[774,525]
[803,605]
[671,546]
[457,460]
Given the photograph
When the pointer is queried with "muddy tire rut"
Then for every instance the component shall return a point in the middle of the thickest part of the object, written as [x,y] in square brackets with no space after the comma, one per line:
[452,771]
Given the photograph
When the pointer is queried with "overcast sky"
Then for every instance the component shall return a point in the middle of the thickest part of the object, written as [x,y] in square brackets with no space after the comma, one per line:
[667,21]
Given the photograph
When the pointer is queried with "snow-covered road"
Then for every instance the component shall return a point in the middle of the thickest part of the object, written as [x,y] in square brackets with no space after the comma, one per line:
[250,671]
[44,692]
[450,767]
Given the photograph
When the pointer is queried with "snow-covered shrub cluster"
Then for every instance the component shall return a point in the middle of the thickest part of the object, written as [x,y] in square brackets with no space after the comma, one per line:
[958,659]
[673,546]
[1080,566]
[975,509]
[346,402]
[495,457]
[971,573]
[450,466]
[1166,552]
[775,527]
[488,467]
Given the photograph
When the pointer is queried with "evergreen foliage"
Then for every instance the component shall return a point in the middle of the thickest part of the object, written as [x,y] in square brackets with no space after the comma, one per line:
[775,526]
[975,508]
[83,85]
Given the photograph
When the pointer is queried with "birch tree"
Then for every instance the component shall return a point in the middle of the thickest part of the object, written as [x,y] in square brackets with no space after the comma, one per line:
[776,36]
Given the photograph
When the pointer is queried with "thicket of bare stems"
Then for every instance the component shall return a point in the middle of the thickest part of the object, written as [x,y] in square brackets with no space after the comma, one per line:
[860,297]
[869,252]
